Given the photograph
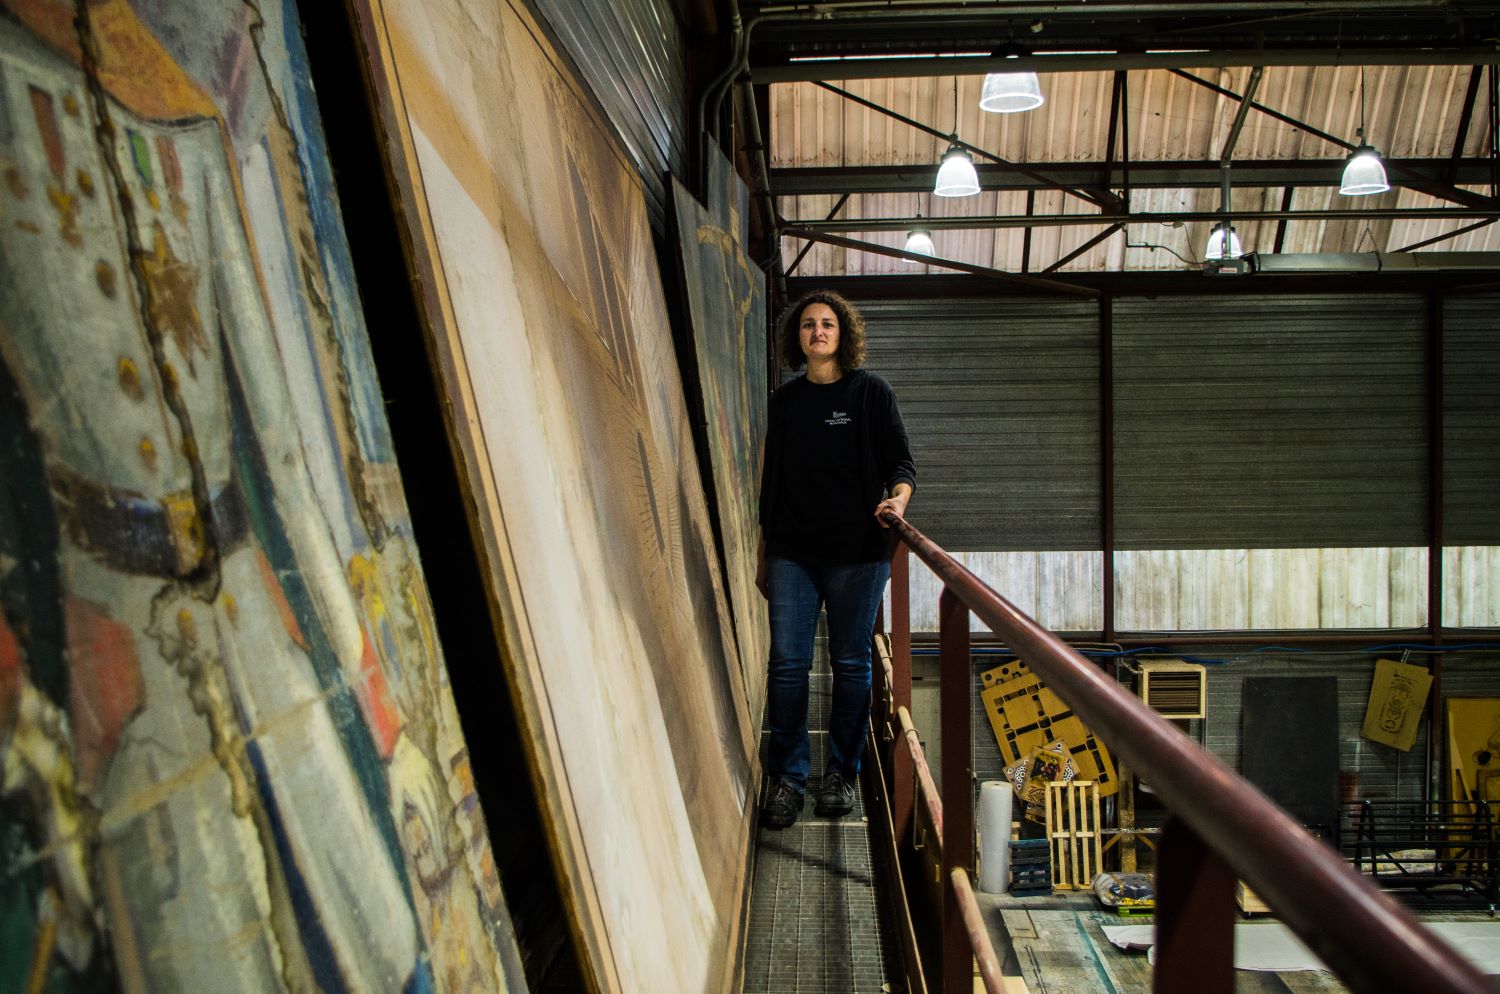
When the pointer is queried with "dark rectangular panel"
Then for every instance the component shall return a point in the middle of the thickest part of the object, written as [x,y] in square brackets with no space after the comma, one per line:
[1289,744]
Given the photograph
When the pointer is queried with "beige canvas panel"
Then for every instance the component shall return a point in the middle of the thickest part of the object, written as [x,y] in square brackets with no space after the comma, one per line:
[529,241]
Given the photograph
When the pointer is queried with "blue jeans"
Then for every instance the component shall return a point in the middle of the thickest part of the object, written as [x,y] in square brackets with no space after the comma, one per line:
[852,594]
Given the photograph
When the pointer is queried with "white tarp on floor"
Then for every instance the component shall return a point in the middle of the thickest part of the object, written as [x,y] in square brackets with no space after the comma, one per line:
[1272,946]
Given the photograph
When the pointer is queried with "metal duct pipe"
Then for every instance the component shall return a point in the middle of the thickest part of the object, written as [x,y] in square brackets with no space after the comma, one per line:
[757,150]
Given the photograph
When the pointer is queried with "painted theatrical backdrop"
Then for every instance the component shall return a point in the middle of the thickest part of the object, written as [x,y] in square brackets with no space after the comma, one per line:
[531,243]
[727,314]
[229,758]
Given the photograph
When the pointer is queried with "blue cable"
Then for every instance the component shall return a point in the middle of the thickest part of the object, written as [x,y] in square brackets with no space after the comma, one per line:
[1209,661]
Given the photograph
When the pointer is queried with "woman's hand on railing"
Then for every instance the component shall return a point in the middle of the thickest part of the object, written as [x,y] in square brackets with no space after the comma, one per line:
[895,504]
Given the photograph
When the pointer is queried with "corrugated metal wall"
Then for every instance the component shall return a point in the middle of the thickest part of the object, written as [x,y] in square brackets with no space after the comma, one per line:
[1243,422]
[632,55]
[1270,460]
[1471,420]
[1270,421]
[1001,401]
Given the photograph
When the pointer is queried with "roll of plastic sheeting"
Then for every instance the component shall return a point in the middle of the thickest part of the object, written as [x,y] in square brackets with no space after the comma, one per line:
[994,836]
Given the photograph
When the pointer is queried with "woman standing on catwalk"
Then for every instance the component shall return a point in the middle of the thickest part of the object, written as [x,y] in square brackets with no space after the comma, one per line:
[836,457]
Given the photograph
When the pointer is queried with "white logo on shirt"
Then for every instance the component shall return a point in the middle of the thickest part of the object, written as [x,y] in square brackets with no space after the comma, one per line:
[839,418]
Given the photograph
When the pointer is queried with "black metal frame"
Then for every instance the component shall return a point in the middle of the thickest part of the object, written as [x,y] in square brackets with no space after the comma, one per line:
[1431,854]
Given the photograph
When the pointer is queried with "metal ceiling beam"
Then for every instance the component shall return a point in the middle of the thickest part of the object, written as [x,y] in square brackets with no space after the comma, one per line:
[997,161]
[1286,205]
[1115,102]
[1101,236]
[1155,217]
[962,267]
[1169,175]
[1026,236]
[1447,235]
[1443,191]
[1464,116]
[814,70]
[808,247]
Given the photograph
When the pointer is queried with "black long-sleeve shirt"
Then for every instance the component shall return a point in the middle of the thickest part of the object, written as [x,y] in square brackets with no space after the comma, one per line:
[833,450]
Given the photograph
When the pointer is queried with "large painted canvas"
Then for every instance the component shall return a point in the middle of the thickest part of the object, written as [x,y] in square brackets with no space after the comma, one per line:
[530,244]
[229,756]
[727,312]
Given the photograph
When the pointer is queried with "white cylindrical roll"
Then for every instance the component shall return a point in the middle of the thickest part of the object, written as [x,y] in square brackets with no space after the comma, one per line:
[994,836]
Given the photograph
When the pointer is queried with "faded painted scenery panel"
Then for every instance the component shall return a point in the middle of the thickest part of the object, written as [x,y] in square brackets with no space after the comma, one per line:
[727,312]
[229,756]
[530,241]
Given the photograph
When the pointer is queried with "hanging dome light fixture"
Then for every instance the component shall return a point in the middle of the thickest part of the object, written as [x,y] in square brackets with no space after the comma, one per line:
[919,241]
[1364,173]
[1011,92]
[956,176]
[1217,248]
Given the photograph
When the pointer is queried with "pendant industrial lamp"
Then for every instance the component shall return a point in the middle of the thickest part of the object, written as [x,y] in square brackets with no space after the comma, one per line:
[919,241]
[1223,243]
[1011,92]
[956,176]
[1364,173]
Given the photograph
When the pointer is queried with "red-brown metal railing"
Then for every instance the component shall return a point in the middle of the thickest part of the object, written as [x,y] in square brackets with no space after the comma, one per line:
[1222,828]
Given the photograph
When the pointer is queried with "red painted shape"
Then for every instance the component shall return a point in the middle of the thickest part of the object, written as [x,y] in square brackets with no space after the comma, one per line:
[10,675]
[104,684]
[170,167]
[278,597]
[374,695]
[46,122]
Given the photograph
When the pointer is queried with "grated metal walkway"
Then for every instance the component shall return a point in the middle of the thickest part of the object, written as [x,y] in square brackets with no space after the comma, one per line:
[817,924]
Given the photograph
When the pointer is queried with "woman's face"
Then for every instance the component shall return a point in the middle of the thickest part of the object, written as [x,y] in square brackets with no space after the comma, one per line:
[818,329]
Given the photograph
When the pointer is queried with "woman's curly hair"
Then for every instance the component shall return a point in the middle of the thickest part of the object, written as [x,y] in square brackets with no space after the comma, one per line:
[851,354]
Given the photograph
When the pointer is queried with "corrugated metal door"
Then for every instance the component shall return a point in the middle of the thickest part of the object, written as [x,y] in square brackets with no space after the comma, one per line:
[632,55]
[1001,400]
[1471,421]
[1275,421]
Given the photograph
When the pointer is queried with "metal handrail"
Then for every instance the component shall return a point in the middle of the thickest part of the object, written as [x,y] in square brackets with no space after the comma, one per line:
[979,936]
[1372,943]
[963,891]
[929,791]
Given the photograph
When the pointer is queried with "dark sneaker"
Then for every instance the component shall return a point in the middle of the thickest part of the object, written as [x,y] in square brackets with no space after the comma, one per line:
[783,806]
[836,796]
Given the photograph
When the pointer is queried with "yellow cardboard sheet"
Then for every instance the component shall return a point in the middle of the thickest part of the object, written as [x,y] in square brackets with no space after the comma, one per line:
[1025,716]
[1397,698]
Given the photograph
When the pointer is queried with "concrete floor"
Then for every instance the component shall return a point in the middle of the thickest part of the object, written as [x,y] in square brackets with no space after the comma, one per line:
[1057,945]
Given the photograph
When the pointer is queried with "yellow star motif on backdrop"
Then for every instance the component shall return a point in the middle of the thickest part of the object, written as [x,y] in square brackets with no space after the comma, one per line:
[171,291]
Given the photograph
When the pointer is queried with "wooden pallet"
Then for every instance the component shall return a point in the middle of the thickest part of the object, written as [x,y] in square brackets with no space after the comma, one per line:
[1249,901]
[1073,833]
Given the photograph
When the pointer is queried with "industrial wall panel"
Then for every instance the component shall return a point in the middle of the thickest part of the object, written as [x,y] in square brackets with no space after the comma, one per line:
[1163,590]
[1471,420]
[632,56]
[1471,586]
[1001,400]
[1061,590]
[1270,422]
